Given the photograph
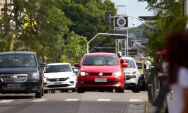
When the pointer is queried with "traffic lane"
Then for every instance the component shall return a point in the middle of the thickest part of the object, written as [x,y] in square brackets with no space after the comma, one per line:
[66,107]
[97,102]
[128,96]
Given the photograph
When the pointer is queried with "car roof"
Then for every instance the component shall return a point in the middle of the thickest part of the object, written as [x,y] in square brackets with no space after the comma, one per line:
[101,53]
[129,58]
[17,52]
[59,64]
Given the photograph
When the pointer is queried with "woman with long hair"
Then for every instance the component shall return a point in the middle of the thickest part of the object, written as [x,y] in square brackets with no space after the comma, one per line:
[177,47]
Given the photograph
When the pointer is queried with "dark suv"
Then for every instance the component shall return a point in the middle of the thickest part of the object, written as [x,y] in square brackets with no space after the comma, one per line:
[20,72]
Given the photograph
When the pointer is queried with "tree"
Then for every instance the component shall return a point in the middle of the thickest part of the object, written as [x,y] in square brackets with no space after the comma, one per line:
[168,14]
[88,16]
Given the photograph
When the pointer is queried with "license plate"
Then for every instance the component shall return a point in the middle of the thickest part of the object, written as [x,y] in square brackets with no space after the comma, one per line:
[100,79]
[57,83]
[13,85]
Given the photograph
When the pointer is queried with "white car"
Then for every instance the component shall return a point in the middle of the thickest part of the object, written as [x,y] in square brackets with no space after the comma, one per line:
[59,76]
[132,75]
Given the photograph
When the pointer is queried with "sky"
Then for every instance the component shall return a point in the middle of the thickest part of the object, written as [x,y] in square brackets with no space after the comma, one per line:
[132,8]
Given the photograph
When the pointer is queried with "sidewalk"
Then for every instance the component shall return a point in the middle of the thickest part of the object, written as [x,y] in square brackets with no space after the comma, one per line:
[138,108]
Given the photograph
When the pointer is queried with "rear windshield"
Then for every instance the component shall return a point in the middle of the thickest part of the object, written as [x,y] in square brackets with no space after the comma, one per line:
[100,60]
[17,60]
[58,68]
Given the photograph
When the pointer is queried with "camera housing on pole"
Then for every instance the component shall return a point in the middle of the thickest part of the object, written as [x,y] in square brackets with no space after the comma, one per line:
[120,22]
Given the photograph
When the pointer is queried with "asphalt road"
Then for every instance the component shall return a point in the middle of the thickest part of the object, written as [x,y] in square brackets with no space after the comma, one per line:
[72,102]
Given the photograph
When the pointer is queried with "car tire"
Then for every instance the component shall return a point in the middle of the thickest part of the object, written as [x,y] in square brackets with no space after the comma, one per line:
[110,90]
[142,84]
[39,94]
[79,90]
[42,92]
[119,90]
[136,89]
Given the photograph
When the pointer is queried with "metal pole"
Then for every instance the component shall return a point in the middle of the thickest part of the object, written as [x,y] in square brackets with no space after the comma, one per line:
[107,34]
[186,10]
[127,44]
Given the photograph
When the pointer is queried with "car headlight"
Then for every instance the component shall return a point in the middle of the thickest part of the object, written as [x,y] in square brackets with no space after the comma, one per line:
[116,73]
[84,73]
[34,77]
[45,79]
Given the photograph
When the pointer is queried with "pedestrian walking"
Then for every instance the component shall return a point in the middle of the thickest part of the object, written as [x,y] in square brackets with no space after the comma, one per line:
[177,45]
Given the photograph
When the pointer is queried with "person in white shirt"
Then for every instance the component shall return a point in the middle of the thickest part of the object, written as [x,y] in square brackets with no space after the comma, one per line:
[177,45]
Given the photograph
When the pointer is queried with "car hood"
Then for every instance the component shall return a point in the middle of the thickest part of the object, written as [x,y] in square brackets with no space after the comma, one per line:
[59,75]
[100,68]
[18,70]
[130,70]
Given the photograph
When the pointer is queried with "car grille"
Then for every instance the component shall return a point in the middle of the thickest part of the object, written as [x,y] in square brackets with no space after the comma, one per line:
[100,83]
[97,74]
[13,78]
[130,77]
[57,79]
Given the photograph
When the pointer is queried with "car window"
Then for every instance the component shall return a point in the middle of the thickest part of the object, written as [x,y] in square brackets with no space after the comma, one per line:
[58,68]
[139,65]
[100,60]
[17,60]
[131,63]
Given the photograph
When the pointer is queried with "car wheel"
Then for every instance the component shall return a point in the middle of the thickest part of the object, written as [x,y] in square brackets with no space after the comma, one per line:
[136,89]
[39,94]
[110,90]
[73,90]
[42,92]
[142,84]
[119,90]
[79,90]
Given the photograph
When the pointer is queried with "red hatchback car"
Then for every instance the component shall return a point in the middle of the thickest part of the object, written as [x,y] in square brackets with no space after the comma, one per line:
[101,71]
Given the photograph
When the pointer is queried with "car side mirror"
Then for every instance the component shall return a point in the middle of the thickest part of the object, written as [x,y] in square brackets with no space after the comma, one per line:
[77,65]
[42,65]
[75,70]
[122,61]
[124,65]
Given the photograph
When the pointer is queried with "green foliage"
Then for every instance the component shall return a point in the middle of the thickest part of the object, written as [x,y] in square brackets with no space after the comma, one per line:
[56,29]
[88,16]
[75,48]
[170,18]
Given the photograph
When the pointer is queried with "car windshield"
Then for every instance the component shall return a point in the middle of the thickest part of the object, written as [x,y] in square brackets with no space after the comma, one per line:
[58,68]
[131,63]
[17,60]
[100,60]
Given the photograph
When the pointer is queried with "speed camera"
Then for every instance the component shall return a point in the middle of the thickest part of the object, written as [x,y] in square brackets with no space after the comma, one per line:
[121,22]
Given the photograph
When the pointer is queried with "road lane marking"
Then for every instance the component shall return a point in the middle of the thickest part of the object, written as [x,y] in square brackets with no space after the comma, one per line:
[6,101]
[71,99]
[103,99]
[38,100]
[136,100]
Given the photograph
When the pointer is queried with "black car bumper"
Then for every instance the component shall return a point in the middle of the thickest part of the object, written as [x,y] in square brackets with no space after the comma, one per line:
[24,87]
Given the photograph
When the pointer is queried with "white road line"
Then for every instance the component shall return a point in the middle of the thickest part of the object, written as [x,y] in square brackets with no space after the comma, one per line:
[103,99]
[136,100]
[38,100]
[6,101]
[71,99]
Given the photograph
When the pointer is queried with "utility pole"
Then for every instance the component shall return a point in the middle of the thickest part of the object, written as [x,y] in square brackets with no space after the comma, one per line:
[186,10]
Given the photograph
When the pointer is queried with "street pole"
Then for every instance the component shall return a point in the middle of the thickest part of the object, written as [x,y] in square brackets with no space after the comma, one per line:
[127,50]
[186,10]
[105,34]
